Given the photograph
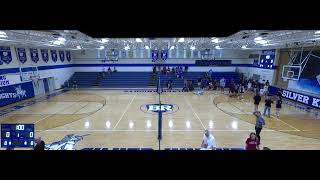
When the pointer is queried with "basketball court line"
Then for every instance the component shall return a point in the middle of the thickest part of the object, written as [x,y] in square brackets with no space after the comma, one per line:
[100,130]
[271,116]
[60,110]
[189,104]
[124,112]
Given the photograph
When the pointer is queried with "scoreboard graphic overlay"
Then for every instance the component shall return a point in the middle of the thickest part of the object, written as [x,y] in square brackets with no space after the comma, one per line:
[17,135]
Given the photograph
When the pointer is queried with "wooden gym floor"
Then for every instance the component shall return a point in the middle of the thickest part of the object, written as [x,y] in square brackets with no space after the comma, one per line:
[114,118]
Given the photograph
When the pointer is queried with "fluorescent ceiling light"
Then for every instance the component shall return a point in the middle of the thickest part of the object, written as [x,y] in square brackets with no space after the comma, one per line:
[317,32]
[258,38]
[181,40]
[127,47]
[3,34]
[172,47]
[261,41]
[58,42]
[192,47]
[244,47]
[101,47]
[104,40]
[61,39]
[215,40]
[138,40]
[78,47]
[218,47]
[147,47]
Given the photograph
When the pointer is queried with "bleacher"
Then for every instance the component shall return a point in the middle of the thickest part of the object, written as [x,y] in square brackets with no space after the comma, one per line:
[126,80]
[142,79]
[84,79]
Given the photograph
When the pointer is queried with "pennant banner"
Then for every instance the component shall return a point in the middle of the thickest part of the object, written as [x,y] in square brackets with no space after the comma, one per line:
[61,55]
[34,55]
[164,55]
[22,56]
[45,55]
[54,56]
[154,55]
[5,54]
[68,55]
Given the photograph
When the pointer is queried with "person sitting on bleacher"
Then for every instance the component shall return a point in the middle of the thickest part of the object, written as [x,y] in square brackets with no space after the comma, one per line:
[169,84]
[109,70]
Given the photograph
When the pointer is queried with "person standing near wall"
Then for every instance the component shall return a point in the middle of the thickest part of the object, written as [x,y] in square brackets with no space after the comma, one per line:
[222,84]
[278,106]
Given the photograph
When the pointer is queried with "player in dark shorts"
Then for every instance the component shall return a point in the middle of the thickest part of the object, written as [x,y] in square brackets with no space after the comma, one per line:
[278,106]
[257,99]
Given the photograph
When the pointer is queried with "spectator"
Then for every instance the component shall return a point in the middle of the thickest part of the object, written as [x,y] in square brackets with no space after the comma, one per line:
[278,106]
[208,141]
[75,84]
[267,106]
[169,84]
[257,99]
[249,85]
[154,69]
[114,69]
[259,124]
[40,144]
[186,68]
[255,86]
[241,91]
[222,84]
[252,143]
[267,83]
[109,70]
[279,93]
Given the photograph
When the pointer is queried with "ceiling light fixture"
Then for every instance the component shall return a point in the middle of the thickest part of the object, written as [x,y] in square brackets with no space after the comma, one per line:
[172,47]
[104,40]
[101,47]
[78,47]
[317,32]
[61,39]
[215,40]
[138,40]
[181,40]
[218,47]
[127,47]
[258,38]
[146,47]
[244,47]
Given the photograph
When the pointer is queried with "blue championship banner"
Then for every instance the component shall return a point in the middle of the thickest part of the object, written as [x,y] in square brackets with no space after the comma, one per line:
[5,54]
[54,56]
[68,56]
[14,93]
[61,56]
[45,55]
[297,97]
[164,55]
[22,56]
[154,55]
[34,55]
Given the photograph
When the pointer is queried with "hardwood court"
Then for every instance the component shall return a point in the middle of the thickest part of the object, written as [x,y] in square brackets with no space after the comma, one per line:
[119,119]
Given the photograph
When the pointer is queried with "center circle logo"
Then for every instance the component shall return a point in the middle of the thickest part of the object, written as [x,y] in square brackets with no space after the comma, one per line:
[155,108]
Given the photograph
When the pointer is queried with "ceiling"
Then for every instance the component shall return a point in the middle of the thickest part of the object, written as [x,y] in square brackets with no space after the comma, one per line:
[245,40]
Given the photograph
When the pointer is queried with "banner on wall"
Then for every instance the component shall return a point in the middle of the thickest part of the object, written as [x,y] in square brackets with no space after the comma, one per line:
[61,56]
[68,56]
[22,56]
[14,93]
[45,55]
[297,97]
[164,55]
[154,55]
[34,55]
[5,54]
[54,56]
[9,79]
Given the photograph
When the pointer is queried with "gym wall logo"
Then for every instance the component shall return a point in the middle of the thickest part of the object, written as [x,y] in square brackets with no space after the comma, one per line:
[67,143]
[318,79]
[155,108]
[20,93]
